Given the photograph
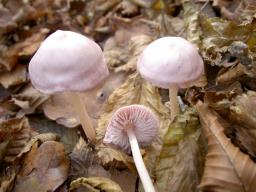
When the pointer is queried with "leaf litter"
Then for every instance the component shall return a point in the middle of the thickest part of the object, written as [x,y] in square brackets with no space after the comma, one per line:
[209,147]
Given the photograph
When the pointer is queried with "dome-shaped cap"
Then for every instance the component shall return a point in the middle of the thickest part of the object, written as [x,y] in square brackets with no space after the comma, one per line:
[170,61]
[67,61]
[137,117]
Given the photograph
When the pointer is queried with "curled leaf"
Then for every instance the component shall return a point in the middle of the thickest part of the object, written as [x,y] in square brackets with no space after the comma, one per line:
[38,139]
[95,184]
[15,133]
[226,167]
[28,99]
[15,77]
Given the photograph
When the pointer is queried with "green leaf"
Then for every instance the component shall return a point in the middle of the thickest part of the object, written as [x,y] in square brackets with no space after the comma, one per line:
[179,163]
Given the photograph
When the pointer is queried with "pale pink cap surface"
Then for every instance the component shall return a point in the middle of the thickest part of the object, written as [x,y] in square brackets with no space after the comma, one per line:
[170,61]
[137,117]
[67,61]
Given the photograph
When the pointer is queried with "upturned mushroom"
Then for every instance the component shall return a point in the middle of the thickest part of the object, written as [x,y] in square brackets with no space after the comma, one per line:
[171,63]
[69,62]
[130,126]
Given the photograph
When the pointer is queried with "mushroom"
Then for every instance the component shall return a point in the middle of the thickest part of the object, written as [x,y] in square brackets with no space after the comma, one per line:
[129,126]
[171,63]
[69,62]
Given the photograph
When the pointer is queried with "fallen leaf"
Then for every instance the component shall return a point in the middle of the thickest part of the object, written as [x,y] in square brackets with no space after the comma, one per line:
[223,169]
[95,184]
[6,23]
[17,133]
[45,168]
[7,179]
[180,162]
[84,162]
[136,45]
[28,99]
[15,77]
[242,117]
[125,179]
[192,22]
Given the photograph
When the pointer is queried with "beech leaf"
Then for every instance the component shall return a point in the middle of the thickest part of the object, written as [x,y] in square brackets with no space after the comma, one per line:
[15,133]
[178,166]
[44,168]
[95,184]
[226,167]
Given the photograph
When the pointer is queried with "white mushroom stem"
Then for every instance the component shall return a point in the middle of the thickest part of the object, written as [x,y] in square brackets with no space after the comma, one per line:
[142,170]
[174,102]
[80,110]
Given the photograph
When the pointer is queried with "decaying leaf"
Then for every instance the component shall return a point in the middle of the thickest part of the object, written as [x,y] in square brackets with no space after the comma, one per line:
[15,77]
[225,42]
[95,184]
[9,54]
[84,162]
[7,179]
[179,165]
[243,117]
[192,22]
[108,155]
[136,45]
[45,168]
[28,99]
[15,133]
[37,140]
[226,167]
[243,111]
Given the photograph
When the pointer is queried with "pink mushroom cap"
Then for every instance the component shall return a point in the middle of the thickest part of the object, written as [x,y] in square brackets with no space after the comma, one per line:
[137,117]
[67,61]
[170,61]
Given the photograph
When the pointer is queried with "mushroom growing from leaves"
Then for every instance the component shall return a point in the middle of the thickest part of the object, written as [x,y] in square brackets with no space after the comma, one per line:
[130,126]
[69,62]
[171,63]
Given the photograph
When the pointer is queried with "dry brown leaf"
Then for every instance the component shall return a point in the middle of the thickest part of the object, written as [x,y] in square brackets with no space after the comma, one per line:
[15,77]
[226,167]
[37,140]
[243,111]
[7,179]
[9,54]
[6,23]
[28,99]
[17,133]
[45,168]
[125,179]
[31,44]
[136,45]
[60,109]
[242,117]
[95,184]
[84,162]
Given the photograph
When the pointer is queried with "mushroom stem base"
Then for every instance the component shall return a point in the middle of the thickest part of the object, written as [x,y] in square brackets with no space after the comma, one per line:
[174,102]
[80,110]
[142,170]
